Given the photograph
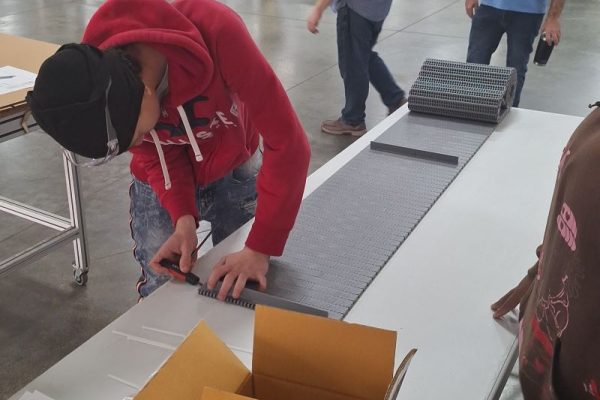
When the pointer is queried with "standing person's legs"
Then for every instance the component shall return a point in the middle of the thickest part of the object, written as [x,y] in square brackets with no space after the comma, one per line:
[521,31]
[355,38]
[150,226]
[487,28]
[381,78]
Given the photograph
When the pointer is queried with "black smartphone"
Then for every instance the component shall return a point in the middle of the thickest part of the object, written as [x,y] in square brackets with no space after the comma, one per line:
[543,51]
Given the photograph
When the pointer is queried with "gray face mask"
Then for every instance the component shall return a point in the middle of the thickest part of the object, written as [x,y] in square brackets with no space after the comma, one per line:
[163,86]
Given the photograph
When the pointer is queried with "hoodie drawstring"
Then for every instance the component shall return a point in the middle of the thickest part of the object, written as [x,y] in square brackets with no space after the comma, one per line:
[190,134]
[161,156]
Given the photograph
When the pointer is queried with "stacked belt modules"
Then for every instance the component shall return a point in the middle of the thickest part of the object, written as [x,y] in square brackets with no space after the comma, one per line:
[351,225]
[461,90]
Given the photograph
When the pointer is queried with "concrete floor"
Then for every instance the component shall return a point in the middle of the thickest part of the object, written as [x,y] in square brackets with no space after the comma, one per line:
[44,315]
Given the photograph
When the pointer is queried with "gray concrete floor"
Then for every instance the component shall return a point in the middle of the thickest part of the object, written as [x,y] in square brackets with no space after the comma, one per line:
[44,315]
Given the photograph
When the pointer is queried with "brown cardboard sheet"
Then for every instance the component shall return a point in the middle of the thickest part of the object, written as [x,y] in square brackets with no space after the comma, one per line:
[267,388]
[215,394]
[26,54]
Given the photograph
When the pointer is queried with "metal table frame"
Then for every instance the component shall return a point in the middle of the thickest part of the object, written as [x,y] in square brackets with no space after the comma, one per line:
[14,123]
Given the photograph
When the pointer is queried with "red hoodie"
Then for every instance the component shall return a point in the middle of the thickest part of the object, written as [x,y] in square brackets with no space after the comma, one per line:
[222,93]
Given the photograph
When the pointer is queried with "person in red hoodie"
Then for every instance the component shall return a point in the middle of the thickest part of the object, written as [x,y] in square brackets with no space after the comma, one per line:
[184,88]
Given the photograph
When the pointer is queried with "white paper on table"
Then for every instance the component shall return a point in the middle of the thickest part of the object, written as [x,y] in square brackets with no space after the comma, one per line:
[13,79]
[34,396]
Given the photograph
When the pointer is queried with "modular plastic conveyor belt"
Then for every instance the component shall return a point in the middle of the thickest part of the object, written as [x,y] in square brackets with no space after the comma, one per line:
[462,90]
[350,226]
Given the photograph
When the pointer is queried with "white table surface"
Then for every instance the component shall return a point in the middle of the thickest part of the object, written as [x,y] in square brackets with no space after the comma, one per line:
[474,244]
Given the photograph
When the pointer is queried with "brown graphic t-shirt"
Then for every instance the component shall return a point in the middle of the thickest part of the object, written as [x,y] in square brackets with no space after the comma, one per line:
[559,340]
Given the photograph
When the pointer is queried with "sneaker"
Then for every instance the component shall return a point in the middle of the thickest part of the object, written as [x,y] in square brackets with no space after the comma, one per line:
[394,108]
[339,127]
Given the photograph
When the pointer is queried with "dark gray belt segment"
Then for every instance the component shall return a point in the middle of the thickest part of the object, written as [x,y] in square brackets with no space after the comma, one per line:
[413,152]
[351,225]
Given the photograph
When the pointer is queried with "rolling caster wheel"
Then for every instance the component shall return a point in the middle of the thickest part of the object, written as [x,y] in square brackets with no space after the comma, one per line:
[81,278]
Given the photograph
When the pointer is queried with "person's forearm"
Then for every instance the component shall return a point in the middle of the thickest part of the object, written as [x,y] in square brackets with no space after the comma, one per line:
[556,7]
[323,4]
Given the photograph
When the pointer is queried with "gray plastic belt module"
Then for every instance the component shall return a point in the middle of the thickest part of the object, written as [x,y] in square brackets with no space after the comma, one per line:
[463,90]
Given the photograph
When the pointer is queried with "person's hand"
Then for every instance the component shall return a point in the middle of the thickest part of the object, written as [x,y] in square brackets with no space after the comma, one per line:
[236,269]
[313,20]
[551,27]
[471,7]
[512,299]
[178,247]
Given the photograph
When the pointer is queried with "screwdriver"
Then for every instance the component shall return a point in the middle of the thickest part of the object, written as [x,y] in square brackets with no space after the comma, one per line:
[176,273]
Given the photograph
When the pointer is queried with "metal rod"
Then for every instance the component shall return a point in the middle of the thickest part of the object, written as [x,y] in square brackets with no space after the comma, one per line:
[11,135]
[39,250]
[511,359]
[71,229]
[13,127]
[76,214]
[34,214]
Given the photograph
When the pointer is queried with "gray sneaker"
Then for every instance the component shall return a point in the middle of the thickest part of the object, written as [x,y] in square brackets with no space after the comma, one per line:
[339,127]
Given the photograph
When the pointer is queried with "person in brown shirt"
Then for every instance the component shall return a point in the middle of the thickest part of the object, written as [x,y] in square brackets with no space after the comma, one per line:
[559,335]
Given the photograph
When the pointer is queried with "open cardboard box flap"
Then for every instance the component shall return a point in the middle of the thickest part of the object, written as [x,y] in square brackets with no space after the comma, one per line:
[214,394]
[201,360]
[295,356]
[349,359]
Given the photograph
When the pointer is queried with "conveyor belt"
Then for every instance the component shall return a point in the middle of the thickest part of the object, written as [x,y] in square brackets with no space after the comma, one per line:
[351,225]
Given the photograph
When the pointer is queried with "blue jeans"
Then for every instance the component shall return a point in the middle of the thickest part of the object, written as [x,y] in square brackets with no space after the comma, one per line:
[227,204]
[359,64]
[487,28]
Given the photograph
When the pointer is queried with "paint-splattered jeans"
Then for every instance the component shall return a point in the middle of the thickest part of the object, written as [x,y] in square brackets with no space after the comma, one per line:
[227,204]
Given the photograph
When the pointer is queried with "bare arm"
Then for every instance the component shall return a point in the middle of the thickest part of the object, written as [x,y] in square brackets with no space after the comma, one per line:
[512,299]
[556,7]
[312,22]
[551,25]
[471,7]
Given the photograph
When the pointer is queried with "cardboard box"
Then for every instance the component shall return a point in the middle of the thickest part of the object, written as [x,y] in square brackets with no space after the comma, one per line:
[295,357]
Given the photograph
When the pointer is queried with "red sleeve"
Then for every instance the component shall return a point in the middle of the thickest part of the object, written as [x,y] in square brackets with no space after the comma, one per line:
[179,199]
[281,179]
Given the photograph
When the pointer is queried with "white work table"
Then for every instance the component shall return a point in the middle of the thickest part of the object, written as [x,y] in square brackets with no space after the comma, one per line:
[475,244]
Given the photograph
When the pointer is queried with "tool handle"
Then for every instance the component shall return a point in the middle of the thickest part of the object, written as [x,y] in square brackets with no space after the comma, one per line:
[174,270]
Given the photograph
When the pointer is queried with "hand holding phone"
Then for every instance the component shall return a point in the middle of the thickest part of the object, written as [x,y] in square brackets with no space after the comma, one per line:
[543,51]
